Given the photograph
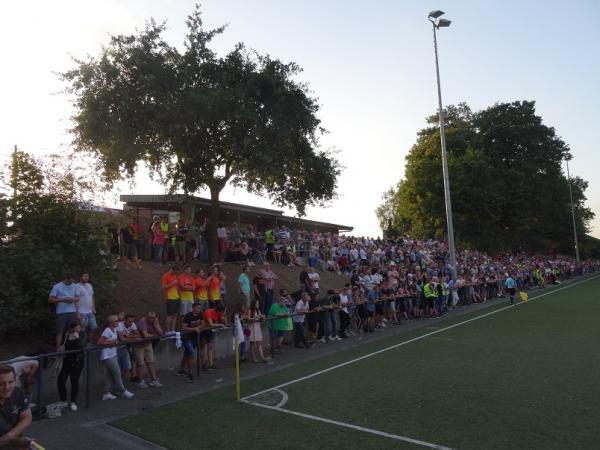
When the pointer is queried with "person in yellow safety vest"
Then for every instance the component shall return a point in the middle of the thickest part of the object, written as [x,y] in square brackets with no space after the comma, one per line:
[445,294]
[270,243]
[430,291]
[539,278]
[554,274]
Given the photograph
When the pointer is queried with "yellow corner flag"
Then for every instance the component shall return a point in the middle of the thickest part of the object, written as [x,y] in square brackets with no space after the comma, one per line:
[524,296]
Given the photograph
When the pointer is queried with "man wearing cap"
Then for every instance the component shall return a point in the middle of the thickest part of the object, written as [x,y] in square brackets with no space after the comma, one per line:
[65,295]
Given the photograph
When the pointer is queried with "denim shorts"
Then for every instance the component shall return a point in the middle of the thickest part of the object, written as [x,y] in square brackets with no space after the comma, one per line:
[124,358]
[190,346]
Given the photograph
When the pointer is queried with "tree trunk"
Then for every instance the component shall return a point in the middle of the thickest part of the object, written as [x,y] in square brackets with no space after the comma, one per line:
[215,205]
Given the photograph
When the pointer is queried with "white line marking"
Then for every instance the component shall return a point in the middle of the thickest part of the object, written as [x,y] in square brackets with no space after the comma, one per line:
[352,361]
[348,425]
[284,398]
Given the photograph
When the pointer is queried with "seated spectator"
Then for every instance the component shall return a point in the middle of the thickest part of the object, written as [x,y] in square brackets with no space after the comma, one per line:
[15,414]
[72,366]
[148,327]
[25,373]
[108,356]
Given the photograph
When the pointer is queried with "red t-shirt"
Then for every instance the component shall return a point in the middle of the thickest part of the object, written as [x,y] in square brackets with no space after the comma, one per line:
[212,314]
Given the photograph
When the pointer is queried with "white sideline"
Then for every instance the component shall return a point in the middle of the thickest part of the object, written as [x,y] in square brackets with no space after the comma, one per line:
[352,361]
[349,425]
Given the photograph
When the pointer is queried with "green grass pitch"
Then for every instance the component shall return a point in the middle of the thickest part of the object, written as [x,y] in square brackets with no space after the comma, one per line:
[519,378]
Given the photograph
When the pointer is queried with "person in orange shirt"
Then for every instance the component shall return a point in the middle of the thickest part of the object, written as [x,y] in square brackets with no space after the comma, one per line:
[214,286]
[187,286]
[201,294]
[170,285]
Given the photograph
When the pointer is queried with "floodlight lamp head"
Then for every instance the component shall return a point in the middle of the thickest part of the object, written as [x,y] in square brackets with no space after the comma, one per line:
[435,14]
[443,23]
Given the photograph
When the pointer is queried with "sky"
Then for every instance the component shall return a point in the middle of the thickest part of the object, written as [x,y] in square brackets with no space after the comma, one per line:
[370,64]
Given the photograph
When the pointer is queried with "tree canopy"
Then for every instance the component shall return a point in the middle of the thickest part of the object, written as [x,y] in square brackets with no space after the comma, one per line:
[200,121]
[506,180]
[47,230]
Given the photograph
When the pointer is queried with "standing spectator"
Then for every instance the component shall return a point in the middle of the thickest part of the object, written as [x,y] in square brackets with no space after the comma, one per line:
[170,285]
[87,306]
[255,317]
[201,294]
[215,281]
[235,236]
[510,285]
[314,279]
[127,332]
[65,296]
[258,288]
[278,323]
[269,242]
[148,327]
[269,278]
[213,318]
[72,366]
[187,286]
[222,241]
[129,247]
[344,313]
[14,410]
[304,279]
[165,229]
[182,236]
[159,239]
[191,328]
[244,285]
[331,304]
[300,309]
[108,357]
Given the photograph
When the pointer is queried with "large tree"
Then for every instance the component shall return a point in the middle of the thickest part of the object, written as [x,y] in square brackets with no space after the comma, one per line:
[507,184]
[200,121]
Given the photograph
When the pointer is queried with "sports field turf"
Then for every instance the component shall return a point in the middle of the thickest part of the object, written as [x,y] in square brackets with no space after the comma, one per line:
[515,378]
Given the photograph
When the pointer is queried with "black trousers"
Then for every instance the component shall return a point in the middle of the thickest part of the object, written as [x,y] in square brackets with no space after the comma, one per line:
[322,321]
[344,323]
[299,338]
[69,370]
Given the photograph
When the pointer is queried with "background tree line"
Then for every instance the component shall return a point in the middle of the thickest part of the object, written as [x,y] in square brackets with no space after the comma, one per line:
[508,188]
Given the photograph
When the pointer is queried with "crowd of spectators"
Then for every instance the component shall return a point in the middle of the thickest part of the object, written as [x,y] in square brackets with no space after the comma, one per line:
[386,283]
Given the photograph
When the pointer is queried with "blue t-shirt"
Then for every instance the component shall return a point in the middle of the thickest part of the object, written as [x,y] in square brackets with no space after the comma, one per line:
[61,290]
[510,283]
[244,283]
[371,297]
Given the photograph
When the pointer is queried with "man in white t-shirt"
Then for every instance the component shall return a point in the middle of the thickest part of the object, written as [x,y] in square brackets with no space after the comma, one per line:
[127,332]
[300,309]
[344,312]
[87,306]
[314,279]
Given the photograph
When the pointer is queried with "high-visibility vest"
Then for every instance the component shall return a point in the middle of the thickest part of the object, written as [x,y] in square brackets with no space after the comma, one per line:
[429,291]
[445,289]
[538,273]
[164,227]
[269,239]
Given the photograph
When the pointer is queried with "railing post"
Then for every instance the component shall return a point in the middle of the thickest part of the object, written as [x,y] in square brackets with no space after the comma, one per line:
[86,355]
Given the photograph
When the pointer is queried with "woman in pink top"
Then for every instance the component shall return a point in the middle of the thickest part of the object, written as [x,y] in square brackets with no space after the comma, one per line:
[158,241]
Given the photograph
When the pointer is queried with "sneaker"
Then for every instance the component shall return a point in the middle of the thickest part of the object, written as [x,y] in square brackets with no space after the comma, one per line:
[155,383]
[212,368]
[126,394]
[323,340]
[73,406]
[143,385]
[108,396]
[190,378]
[337,338]
[61,404]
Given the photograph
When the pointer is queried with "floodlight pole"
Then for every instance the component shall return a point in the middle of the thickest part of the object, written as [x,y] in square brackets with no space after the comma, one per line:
[451,247]
[572,210]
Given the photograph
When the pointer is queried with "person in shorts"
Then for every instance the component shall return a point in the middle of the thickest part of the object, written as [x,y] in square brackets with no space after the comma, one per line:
[65,295]
[170,285]
[87,306]
[510,286]
[187,286]
[149,327]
